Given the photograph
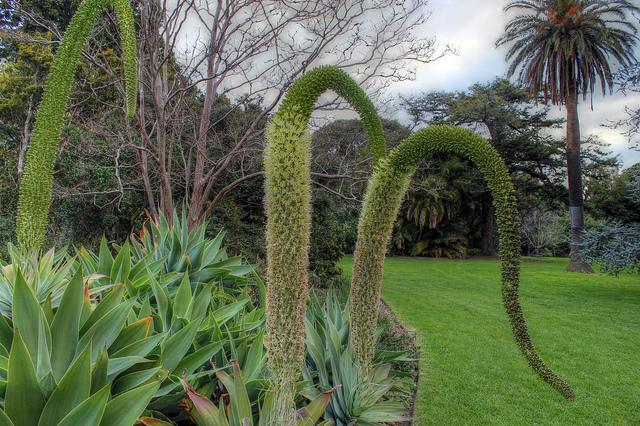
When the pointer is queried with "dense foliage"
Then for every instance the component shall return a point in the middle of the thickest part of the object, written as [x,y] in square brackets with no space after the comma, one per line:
[615,244]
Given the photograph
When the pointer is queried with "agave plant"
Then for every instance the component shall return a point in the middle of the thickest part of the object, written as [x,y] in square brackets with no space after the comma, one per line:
[235,406]
[217,330]
[74,364]
[48,274]
[133,273]
[168,252]
[188,294]
[181,250]
[361,396]
[128,343]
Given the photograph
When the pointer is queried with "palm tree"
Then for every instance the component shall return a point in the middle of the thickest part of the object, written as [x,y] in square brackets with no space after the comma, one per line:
[563,48]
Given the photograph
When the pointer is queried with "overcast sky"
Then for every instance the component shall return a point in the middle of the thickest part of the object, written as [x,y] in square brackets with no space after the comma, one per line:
[473,26]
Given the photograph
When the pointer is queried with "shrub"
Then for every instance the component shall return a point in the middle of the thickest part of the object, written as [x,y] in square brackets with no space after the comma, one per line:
[69,366]
[141,322]
[48,275]
[238,410]
[186,280]
[168,251]
[361,397]
[615,246]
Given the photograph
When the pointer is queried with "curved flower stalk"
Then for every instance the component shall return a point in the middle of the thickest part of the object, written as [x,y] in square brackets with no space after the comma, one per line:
[287,196]
[384,195]
[35,188]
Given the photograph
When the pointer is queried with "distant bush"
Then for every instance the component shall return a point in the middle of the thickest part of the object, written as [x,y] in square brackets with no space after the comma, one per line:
[615,246]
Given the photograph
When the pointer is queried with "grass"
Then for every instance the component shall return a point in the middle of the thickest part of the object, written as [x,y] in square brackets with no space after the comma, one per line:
[586,327]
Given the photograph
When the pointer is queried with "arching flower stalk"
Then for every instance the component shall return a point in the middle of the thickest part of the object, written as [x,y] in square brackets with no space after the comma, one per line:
[384,195]
[288,203]
[35,188]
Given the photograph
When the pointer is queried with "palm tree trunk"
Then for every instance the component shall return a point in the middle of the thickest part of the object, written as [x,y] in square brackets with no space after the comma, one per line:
[574,172]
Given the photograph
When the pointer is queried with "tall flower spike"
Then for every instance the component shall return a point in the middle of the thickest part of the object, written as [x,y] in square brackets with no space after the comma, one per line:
[384,195]
[35,189]
[287,197]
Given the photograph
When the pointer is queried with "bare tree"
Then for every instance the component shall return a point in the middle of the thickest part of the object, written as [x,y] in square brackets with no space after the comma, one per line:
[204,63]
[253,50]
[540,230]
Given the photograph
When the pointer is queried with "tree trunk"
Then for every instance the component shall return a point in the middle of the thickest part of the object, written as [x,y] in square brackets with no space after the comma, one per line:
[488,247]
[574,173]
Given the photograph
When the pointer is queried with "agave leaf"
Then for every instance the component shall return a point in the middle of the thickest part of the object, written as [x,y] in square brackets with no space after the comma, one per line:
[113,299]
[262,288]
[309,415]
[239,399]
[204,412]
[200,303]
[105,260]
[240,271]
[43,357]
[381,373]
[87,308]
[126,408]
[162,301]
[229,263]
[106,329]
[225,313]
[121,265]
[23,400]
[90,411]
[65,326]
[100,371]
[140,265]
[146,310]
[131,380]
[254,363]
[27,315]
[141,347]
[6,333]
[383,412]
[4,419]
[131,334]
[196,359]
[74,388]
[118,365]
[175,347]
[47,309]
[182,299]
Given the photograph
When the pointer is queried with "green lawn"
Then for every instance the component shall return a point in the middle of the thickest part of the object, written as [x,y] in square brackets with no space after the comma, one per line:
[587,327]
